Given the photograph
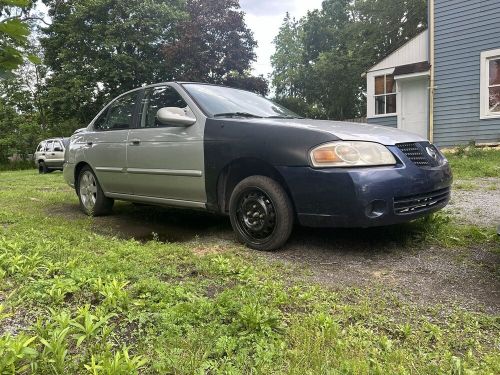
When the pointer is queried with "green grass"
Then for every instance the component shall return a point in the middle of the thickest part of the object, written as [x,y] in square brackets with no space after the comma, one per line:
[76,302]
[472,162]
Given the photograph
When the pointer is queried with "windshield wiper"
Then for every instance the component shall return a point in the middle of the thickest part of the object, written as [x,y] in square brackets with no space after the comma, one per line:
[284,117]
[235,114]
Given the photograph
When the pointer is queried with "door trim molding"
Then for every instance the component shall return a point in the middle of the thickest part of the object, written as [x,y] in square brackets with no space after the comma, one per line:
[110,169]
[169,172]
[155,200]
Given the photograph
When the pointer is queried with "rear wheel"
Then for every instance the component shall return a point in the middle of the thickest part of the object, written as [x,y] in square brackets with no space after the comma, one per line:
[92,199]
[261,213]
[42,167]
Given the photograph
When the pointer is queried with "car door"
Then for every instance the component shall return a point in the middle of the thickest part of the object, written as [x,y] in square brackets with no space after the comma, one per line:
[49,147]
[165,161]
[106,143]
[57,154]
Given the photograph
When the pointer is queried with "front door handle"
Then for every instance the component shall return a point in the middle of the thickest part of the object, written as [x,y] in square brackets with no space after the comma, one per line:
[52,154]
[135,142]
[90,143]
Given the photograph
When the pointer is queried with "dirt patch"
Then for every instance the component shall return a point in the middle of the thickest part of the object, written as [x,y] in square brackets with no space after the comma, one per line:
[426,276]
[477,204]
[335,258]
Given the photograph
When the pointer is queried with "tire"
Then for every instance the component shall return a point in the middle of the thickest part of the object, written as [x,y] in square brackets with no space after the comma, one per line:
[42,168]
[93,202]
[261,213]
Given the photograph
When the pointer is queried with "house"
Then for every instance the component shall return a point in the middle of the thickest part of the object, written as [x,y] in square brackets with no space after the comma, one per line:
[443,84]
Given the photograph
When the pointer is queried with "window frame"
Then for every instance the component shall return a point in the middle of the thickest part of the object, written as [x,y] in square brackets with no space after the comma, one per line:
[141,105]
[105,111]
[385,94]
[486,56]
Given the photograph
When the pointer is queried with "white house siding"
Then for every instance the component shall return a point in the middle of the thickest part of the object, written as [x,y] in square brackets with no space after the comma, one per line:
[463,29]
[414,51]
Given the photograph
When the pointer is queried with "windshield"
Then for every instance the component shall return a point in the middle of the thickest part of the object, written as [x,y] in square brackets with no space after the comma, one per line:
[218,101]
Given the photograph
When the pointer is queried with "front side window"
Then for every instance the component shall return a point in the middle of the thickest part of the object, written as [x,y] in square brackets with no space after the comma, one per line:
[156,98]
[48,146]
[119,115]
[40,147]
[385,94]
[57,146]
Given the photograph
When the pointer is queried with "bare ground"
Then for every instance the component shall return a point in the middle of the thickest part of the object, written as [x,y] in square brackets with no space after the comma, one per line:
[335,258]
[476,201]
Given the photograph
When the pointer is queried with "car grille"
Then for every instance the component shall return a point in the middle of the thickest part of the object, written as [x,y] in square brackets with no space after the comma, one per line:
[416,153]
[420,202]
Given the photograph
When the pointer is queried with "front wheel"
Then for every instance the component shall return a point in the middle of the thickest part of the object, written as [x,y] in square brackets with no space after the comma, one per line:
[261,213]
[92,199]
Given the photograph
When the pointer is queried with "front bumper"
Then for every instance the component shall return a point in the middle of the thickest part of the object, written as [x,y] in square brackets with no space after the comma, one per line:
[365,197]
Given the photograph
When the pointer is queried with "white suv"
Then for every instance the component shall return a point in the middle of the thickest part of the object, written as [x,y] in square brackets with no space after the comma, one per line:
[49,155]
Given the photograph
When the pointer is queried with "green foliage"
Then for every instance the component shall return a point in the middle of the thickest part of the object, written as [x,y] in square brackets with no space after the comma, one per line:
[128,307]
[14,32]
[471,162]
[320,58]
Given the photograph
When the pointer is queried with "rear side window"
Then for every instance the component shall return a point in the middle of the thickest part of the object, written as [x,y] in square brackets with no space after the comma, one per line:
[48,146]
[156,98]
[119,115]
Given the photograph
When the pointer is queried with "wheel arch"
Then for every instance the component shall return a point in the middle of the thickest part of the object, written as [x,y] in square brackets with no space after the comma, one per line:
[78,167]
[238,170]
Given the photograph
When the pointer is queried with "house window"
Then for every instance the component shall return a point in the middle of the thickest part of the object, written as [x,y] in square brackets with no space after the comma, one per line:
[494,85]
[385,95]
[490,83]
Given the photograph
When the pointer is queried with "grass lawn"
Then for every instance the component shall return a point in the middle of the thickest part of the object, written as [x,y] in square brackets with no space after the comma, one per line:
[76,302]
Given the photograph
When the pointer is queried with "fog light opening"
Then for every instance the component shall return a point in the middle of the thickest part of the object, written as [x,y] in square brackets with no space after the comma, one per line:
[376,208]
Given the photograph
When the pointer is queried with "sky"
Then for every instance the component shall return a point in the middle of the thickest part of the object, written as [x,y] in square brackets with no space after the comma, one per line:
[264,18]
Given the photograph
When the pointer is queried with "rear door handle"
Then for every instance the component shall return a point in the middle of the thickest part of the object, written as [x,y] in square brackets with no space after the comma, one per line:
[52,154]
[89,143]
[135,142]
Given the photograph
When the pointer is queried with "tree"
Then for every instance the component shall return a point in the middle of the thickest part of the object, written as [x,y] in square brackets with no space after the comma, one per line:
[211,43]
[14,32]
[97,49]
[288,59]
[336,45]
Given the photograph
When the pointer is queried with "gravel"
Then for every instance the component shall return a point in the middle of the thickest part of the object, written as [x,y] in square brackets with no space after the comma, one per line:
[477,204]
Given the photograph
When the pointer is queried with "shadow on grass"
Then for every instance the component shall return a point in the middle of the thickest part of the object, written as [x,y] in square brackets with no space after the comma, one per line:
[144,223]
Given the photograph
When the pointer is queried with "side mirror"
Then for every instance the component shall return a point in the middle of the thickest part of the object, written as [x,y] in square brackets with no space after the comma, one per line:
[174,116]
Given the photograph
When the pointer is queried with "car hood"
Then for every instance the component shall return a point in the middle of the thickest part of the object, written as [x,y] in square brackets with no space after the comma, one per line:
[351,131]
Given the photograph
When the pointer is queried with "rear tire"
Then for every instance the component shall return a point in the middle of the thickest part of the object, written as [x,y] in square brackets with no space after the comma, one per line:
[261,213]
[93,202]
[42,168]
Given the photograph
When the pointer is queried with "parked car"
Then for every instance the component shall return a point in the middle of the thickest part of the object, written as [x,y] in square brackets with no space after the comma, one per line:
[233,152]
[49,154]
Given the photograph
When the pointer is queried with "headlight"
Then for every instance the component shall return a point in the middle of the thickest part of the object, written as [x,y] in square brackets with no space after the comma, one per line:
[349,154]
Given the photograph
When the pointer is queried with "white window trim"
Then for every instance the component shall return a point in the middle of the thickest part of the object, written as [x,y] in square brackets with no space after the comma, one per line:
[486,56]
[370,93]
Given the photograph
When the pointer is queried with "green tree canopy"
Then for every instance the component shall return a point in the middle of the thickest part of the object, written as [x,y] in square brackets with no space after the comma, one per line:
[14,32]
[319,60]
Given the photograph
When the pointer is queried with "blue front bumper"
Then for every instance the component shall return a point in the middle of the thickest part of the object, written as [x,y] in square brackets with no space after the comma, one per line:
[365,197]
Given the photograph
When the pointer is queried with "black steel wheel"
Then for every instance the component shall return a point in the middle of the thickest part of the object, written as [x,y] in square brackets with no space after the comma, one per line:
[261,213]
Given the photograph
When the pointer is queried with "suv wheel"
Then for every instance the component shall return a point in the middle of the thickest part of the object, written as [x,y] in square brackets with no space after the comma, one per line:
[92,199]
[261,213]
[42,168]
